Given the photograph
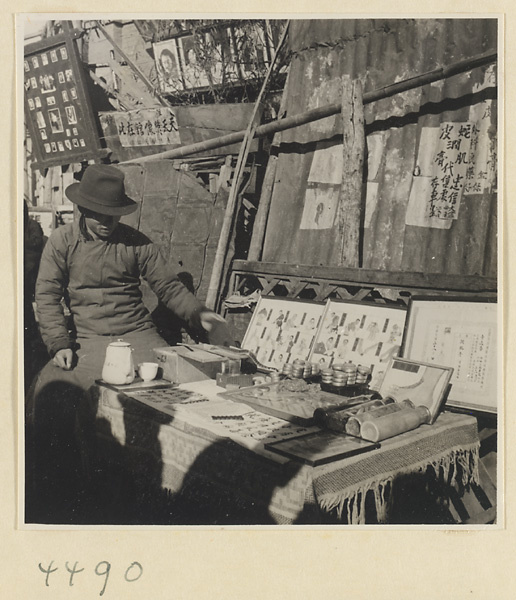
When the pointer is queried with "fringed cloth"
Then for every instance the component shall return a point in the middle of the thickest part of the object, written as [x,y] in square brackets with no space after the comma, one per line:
[248,488]
[449,448]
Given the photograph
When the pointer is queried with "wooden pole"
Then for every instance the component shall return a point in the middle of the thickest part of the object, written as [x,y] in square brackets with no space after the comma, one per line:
[260,223]
[134,68]
[350,197]
[220,255]
[323,111]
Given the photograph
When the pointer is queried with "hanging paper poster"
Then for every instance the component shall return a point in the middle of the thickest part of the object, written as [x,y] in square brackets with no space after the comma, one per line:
[440,175]
[482,169]
[323,188]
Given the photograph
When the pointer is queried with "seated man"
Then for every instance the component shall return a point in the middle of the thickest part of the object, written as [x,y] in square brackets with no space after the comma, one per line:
[96,265]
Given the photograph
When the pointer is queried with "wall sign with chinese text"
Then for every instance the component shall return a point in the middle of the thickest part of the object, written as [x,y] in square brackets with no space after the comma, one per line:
[440,175]
[482,169]
[57,109]
[146,127]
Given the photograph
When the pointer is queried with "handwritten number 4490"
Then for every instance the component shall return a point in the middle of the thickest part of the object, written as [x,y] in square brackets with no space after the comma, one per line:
[133,572]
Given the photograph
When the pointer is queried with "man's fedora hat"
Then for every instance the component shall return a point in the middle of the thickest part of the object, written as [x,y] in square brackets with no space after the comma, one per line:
[102,190]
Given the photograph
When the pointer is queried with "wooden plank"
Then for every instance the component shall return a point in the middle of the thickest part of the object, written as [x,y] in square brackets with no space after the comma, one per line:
[217,117]
[262,215]
[397,279]
[485,433]
[350,197]
[487,484]
[362,294]
[487,516]
[267,284]
[477,514]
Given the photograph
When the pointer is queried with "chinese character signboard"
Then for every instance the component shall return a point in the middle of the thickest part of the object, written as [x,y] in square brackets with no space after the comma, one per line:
[147,127]
[450,165]
[57,109]
[456,159]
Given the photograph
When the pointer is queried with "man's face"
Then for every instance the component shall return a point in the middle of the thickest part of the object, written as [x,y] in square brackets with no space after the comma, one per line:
[100,226]
[166,63]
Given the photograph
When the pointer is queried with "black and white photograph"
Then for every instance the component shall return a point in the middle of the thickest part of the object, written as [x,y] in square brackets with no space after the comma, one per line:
[56,122]
[71,115]
[363,178]
[167,66]
[47,83]
[40,119]
[194,71]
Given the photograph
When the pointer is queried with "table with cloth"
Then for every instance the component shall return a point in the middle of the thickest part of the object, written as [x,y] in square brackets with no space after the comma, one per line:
[206,447]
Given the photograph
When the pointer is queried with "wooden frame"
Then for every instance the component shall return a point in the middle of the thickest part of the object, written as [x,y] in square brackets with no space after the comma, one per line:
[320,282]
[321,447]
[282,330]
[194,75]
[169,77]
[57,103]
[462,335]
[361,333]
[422,383]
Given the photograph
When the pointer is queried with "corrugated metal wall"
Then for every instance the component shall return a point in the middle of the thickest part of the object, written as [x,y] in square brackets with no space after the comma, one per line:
[381,52]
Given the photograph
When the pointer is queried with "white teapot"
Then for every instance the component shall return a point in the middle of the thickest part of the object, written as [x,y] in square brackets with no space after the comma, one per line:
[118,366]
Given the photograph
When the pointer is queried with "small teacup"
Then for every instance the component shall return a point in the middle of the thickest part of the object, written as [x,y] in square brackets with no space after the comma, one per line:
[148,370]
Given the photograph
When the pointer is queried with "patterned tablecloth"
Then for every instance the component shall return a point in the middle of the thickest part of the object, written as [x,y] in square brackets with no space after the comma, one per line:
[175,439]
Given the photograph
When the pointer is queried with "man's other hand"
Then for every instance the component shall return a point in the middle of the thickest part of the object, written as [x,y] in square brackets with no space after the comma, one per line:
[217,328]
[63,358]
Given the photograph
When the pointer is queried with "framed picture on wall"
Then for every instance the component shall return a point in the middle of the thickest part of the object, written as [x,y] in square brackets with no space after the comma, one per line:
[222,64]
[51,66]
[282,329]
[360,333]
[194,74]
[462,335]
[167,66]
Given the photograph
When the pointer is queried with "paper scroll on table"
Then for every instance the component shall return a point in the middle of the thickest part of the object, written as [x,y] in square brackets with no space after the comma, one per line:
[375,420]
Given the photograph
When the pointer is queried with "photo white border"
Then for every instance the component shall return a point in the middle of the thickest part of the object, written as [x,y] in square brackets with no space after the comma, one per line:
[260,564]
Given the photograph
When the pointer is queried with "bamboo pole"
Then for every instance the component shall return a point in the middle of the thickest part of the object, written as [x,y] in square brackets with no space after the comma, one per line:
[323,111]
[220,255]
